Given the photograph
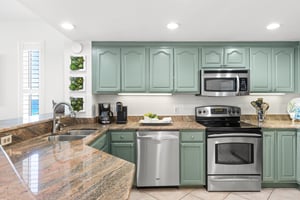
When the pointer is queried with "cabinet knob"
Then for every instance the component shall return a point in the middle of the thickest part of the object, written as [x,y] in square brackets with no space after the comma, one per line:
[121,137]
[193,137]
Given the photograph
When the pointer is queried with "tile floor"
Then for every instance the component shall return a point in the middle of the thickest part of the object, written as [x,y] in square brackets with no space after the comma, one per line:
[202,194]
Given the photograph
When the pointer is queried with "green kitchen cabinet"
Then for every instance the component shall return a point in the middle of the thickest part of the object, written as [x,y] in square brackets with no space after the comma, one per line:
[186,70]
[133,63]
[192,158]
[261,69]
[283,67]
[161,70]
[101,143]
[279,156]
[269,156]
[229,57]
[272,69]
[298,157]
[286,153]
[123,145]
[106,70]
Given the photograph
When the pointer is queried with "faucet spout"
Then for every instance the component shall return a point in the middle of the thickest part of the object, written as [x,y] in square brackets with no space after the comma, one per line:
[59,109]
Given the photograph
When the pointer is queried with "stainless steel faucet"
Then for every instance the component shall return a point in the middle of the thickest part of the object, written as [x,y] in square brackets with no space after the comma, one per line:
[56,107]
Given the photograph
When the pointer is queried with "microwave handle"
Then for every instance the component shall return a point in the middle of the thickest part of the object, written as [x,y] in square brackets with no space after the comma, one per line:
[237,85]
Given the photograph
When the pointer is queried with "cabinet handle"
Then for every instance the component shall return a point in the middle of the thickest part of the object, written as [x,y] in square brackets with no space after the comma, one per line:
[121,137]
[193,137]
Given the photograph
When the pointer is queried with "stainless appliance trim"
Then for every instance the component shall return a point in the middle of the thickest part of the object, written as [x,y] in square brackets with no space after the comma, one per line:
[236,74]
[214,168]
[233,135]
[157,158]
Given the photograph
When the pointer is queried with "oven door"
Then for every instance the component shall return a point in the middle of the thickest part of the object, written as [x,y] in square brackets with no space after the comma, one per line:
[235,153]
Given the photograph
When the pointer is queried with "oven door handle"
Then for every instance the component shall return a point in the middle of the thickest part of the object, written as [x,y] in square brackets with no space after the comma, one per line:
[242,179]
[234,135]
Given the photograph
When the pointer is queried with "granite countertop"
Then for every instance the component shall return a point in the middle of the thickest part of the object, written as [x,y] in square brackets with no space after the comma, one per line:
[40,169]
[64,170]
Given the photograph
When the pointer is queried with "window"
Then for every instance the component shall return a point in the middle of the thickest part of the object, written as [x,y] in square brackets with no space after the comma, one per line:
[31,67]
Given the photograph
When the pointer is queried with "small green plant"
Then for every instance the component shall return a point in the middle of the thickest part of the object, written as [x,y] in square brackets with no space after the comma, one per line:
[77,103]
[77,63]
[76,83]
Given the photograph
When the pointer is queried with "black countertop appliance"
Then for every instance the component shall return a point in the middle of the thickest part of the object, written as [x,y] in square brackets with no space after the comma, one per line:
[121,113]
[105,114]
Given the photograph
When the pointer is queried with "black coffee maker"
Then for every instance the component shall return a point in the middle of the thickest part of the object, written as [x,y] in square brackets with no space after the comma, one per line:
[121,113]
[105,114]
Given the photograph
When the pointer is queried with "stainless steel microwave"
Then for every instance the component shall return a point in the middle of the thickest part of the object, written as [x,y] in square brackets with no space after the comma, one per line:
[225,82]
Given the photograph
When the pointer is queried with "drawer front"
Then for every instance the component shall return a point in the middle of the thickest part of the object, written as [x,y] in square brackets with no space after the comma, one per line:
[118,136]
[192,136]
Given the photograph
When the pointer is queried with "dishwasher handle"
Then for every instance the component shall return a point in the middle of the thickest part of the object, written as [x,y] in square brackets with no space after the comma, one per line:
[158,137]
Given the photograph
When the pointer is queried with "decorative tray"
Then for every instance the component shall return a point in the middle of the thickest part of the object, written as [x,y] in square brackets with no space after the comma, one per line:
[155,122]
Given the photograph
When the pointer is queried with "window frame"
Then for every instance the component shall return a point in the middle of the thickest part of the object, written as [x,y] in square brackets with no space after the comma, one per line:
[27,46]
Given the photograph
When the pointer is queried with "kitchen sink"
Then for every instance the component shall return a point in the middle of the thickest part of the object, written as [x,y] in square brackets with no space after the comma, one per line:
[65,137]
[76,132]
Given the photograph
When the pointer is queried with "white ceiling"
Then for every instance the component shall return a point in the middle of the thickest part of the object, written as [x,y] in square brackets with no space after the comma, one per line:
[140,20]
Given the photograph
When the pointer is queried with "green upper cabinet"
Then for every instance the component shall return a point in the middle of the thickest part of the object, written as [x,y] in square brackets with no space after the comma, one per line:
[133,69]
[283,66]
[272,69]
[261,69]
[225,57]
[212,57]
[106,70]
[161,70]
[186,70]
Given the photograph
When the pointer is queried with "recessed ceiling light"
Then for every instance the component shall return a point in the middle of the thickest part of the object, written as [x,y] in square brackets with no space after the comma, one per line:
[172,25]
[273,26]
[67,26]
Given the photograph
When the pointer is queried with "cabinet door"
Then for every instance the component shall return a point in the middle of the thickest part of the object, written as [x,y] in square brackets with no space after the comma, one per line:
[186,70]
[101,142]
[133,69]
[192,164]
[212,57]
[161,70]
[286,152]
[283,68]
[106,70]
[298,157]
[236,57]
[260,70]
[269,156]
[125,151]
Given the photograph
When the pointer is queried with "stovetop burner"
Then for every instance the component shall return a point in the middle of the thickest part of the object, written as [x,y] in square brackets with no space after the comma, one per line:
[220,117]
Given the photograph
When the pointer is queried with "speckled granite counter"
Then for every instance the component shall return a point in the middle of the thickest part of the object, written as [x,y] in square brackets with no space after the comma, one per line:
[73,170]
[65,170]
[273,121]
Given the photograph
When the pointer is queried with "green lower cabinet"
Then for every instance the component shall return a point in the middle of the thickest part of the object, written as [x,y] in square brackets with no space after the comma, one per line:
[101,143]
[123,145]
[298,157]
[279,156]
[192,158]
[125,151]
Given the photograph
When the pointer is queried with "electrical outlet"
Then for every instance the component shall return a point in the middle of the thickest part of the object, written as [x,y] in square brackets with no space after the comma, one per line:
[5,140]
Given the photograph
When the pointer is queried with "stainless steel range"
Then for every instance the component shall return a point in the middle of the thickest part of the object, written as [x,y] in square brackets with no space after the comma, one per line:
[234,149]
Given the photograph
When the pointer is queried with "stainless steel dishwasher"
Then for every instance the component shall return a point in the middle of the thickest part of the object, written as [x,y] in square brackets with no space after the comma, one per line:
[157,158]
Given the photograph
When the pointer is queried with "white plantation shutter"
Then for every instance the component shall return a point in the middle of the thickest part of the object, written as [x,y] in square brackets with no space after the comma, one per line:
[31,66]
